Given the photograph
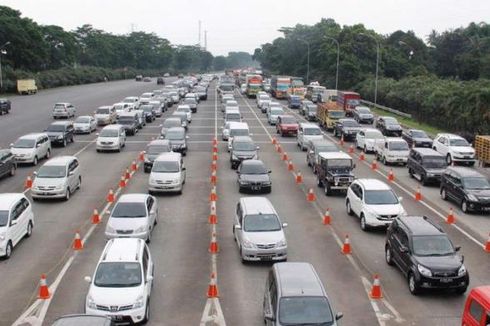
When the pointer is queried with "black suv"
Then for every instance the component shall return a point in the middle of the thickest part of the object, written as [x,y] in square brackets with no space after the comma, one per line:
[389,126]
[467,187]
[347,128]
[425,255]
[160,81]
[426,165]
[7,163]
[334,171]
[242,148]
[4,105]
[417,138]
[61,132]
[254,176]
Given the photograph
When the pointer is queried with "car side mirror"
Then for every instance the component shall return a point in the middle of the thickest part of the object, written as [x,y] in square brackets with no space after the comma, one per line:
[149,278]
[11,145]
[238,227]
[400,199]
[38,145]
[339,315]
[284,225]
[88,279]
[258,147]
[35,172]
[270,171]
[403,249]
[13,222]
[457,248]
[269,316]
[71,173]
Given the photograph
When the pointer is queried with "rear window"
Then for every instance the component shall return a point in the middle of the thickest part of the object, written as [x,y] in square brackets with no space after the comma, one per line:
[305,311]
[102,111]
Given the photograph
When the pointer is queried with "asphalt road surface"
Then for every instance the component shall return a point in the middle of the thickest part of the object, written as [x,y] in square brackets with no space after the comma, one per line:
[180,242]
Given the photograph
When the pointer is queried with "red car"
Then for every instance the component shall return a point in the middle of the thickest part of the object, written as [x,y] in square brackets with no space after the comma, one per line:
[287,125]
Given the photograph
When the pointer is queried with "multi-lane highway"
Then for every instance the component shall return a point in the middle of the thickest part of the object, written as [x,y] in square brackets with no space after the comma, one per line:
[180,242]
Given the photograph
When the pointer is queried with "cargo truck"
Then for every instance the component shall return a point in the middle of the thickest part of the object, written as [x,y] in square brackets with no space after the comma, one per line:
[328,113]
[280,86]
[482,149]
[26,86]
[297,87]
[313,92]
[348,101]
[254,85]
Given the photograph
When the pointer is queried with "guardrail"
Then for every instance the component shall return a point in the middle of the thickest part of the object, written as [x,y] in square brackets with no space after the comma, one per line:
[385,108]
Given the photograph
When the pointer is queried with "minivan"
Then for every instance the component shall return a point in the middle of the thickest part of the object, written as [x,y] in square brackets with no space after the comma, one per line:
[294,295]
[167,174]
[236,129]
[130,122]
[57,178]
[110,138]
[105,115]
[153,150]
[232,115]
[258,231]
[31,148]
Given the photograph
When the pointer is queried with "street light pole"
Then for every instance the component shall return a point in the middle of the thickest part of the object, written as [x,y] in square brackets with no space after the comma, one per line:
[2,51]
[307,60]
[338,57]
[377,66]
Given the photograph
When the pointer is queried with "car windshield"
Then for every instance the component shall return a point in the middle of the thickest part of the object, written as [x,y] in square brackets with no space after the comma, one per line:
[118,275]
[276,111]
[326,148]
[233,117]
[157,149]
[374,135]
[390,121]
[109,133]
[398,146]
[305,311]
[244,146]
[56,128]
[4,217]
[82,120]
[264,97]
[476,183]
[341,163]
[434,162]
[261,223]
[165,167]
[238,132]
[336,114]
[226,88]
[52,171]
[24,143]
[129,210]
[380,197]
[147,108]
[185,110]
[126,120]
[419,134]
[432,245]
[363,110]
[172,123]
[190,101]
[350,123]
[458,142]
[311,108]
[59,106]
[312,131]
[129,100]
[175,134]
[102,111]
[289,120]
[253,169]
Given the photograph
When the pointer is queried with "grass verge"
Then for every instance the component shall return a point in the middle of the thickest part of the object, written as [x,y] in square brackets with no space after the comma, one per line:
[410,123]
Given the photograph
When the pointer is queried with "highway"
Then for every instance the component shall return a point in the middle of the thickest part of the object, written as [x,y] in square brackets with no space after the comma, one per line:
[180,242]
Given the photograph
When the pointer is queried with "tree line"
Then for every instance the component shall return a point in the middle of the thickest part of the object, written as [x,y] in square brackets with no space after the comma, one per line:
[443,76]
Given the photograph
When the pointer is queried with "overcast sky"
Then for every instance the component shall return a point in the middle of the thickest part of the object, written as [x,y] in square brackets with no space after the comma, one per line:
[243,25]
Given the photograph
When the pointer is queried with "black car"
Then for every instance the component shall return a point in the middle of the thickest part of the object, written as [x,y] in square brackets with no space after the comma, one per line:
[466,187]
[346,128]
[426,165]
[202,92]
[242,148]
[160,81]
[139,78]
[425,255]
[314,148]
[5,106]
[7,163]
[362,114]
[389,126]
[130,122]
[417,138]
[178,139]
[334,172]
[254,176]
[149,112]
[78,320]
[61,132]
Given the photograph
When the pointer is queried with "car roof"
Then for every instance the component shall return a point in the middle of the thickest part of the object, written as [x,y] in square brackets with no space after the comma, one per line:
[394,139]
[426,151]
[127,114]
[60,160]
[33,135]
[238,125]
[309,125]
[320,142]
[112,127]
[373,184]
[252,162]
[8,199]
[334,155]
[242,139]
[448,135]
[158,142]
[371,130]
[298,279]
[105,107]
[421,225]
[256,205]
[131,198]
[347,119]
[62,103]
[169,156]
[61,123]
[464,171]
[181,129]
[122,249]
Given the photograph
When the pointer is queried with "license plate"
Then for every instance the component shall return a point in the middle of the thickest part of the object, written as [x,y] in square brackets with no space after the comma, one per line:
[255,187]
[117,318]
[446,280]
[267,258]
[466,156]
[486,208]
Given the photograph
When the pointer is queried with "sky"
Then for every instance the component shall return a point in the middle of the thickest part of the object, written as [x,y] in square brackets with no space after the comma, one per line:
[243,25]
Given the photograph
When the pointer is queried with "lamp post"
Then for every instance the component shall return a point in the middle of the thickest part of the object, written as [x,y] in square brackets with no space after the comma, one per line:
[2,51]
[377,66]
[338,57]
[307,60]
[410,54]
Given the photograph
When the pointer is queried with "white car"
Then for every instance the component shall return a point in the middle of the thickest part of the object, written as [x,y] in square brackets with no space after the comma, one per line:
[237,129]
[105,115]
[122,107]
[187,110]
[261,99]
[243,88]
[31,148]
[84,124]
[308,132]
[111,138]
[167,173]
[16,221]
[174,96]
[134,100]
[57,178]
[374,202]
[121,285]
[64,110]
[273,113]
[147,96]
[159,107]
[454,148]
[368,138]
[394,150]
[133,216]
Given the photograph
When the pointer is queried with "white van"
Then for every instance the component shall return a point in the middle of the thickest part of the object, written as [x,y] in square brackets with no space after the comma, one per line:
[31,148]
[105,115]
[237,129]
[167,173]
[111,138]
[232,115]
[57,178]
[16,221]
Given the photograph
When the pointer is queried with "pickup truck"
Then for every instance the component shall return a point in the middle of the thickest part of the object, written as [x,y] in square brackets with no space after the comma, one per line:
[392,150]
[334,171]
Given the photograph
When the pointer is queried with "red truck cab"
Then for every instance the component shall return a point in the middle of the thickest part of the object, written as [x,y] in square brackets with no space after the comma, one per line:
[287,125]
[477,307]
[348,101]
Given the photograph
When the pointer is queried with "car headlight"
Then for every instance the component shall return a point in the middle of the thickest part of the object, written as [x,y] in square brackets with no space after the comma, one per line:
[91,303]
[59,187]
[176,181]
[139,302]
[472,197]
[281,243]
[2,236]
[243,182]
[234,157]
[430,174]
[248,244]
[140,229]
[59,137]
[424,270]
[109,229]
[462,270]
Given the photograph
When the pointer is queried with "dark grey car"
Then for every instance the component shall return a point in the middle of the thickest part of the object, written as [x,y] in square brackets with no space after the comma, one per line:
[254,176]
[7,163]
[61,132]
[242,148]
[5,106]
[178,139]
[153,149]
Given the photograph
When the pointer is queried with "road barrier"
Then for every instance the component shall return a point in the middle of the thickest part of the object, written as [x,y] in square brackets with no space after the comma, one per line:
[487,244]
[311,195]
[285,157]
[122,182]
[290,166]
[299,177]
[213,287]
[213,196]
[391,176]
[362,157]
[374,165]
[418,194]
[213,245]
[351,149]
[127,175]
[214,178]
[110,196]
[95,217]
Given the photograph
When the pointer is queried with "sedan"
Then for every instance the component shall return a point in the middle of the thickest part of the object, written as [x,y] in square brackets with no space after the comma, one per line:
[7,163]
[254,176]
[417,138]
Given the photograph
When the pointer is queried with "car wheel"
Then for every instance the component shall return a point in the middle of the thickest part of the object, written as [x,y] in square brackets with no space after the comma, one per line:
[384,160]
[67,194]
[241,257]
[348,208]
[413,287]
[388,256]
[12,170]
[48,154]
[423,179]
[34,162]
[147,313]
[148,237]
[8,250]
[328,190]
[410,172]
[64,142]
[449,159]
[364,226]
[464,206]
[29,229]
[365,149]
[79,183]
[319,182]
[443,194]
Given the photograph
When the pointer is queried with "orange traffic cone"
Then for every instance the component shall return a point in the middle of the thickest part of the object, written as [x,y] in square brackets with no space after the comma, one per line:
[299,178]
[290,166]
[346,249]
[213,287]
[28,183]
[95,217]
[341,140]
[77,242]
[279,148]
[376,288]
[43,288]
[391,176]
[326,218]
[142,156]
[274,140]
[311,195]
[450,217]
[214,166]
[285,156]
[110,196]
[215,148]
[213,218]
[374,165]
[215,156]
[351,149]
[213,196]
[362,157]
[214,179]
[134,167]
[487,244]
[127,175]
[213,246]
[122,182]
[418,194]
[215,141]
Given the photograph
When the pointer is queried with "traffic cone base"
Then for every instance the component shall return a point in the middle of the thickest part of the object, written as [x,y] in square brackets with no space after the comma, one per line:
[77,243]
[376,289]
[213,288]
[43,288]
[311,195]
[346,249]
